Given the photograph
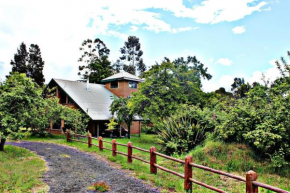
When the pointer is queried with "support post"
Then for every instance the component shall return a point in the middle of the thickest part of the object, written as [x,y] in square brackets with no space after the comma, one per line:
[89,140]
[67,136]
[130,152]
[114,147]
[250,177]
[187,173]
[153,169]
[100,143]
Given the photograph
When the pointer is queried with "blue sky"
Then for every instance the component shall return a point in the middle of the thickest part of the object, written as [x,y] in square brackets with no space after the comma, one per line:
[233,38]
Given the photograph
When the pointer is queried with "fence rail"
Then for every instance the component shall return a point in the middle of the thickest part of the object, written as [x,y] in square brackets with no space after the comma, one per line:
[250,180]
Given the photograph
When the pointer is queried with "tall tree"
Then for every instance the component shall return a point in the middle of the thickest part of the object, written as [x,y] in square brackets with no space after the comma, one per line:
[132,53]
[29,63]
[124,114]
[18,97]
[166,87]
[35,65]
[95,56]
[19,64]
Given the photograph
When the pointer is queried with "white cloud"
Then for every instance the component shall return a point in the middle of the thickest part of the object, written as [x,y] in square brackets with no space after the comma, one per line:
[239,30]
[273,62]
[60,27]
[117,34]
[183,29]
[134,28]
[224,61]
[213,84]
[215,11]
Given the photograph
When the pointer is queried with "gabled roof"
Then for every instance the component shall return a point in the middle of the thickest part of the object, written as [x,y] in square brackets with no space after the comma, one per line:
[95,102]
[122,75]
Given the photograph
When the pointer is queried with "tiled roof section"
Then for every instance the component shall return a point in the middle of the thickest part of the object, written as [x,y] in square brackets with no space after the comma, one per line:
[122,75]
[96,101]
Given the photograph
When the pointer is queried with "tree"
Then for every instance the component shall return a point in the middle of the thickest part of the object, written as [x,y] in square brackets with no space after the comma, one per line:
[166,87]
[120,107]
[240,88]
[19,96]
[19,64]
[30,63]
[132,53]
[95,56]
[35,65]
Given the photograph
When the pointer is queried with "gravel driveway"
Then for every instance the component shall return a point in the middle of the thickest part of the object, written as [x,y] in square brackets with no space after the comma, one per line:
[73,171]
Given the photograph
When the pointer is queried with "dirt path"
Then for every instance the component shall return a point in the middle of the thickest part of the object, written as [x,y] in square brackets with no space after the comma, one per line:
[73,171]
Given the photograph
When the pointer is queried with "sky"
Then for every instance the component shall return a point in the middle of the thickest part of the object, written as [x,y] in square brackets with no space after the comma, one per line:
[233,38]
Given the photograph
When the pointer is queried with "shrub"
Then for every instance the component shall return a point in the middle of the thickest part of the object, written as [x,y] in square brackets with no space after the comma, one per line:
[101,186]
[184,130]
[262,121]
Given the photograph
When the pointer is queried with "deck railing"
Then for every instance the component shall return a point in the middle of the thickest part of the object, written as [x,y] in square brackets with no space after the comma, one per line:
[250,180]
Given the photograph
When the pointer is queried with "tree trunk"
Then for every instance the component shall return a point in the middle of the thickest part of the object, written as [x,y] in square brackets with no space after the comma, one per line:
[129,130]
[2,144]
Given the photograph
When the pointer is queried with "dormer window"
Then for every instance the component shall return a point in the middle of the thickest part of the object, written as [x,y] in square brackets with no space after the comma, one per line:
[132,84]
[114,84]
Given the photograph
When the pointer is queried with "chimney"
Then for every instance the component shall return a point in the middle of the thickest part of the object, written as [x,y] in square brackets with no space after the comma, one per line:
[88,83]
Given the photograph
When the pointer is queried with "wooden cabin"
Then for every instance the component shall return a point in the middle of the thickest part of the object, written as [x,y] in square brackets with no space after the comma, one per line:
[95,100]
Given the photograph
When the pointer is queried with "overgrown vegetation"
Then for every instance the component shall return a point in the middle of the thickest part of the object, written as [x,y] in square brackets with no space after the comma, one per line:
[22,106]
[21,171]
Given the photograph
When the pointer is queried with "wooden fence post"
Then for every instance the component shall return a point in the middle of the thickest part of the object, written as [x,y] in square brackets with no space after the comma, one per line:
[100,143]
[153,169]
[89,140]
[67,136]
[250,177]
[130,152]
[187,173]
[114,147]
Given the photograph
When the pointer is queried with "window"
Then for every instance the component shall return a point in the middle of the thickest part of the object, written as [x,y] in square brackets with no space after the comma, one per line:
[132,84]
[70,101]
[114,84]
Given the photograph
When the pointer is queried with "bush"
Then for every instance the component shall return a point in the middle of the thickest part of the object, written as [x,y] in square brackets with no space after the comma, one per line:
[262,120]
[184,130]
[101,186]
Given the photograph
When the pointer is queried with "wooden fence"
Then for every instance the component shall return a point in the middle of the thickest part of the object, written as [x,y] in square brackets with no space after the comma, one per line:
[251,177]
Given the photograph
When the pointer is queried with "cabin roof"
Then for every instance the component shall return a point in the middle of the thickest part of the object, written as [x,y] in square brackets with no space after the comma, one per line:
[122,75]
[95,102]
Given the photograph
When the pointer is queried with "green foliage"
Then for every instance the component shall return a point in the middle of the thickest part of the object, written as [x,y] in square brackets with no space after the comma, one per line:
[29,63]
[167,86]
[95,58]
[261,119]
[185,129]
[112,124]
[101,186]
[120,107]
[19,97]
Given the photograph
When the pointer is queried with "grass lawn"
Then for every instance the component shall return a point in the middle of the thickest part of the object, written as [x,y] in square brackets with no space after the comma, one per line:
[21,171]
[233,158]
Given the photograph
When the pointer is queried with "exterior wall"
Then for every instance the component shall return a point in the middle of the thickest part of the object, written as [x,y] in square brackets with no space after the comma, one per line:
[135,127]
[123,89]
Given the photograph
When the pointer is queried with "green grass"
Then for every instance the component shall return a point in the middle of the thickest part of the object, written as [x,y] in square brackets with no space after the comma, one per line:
[233,158]
[21,171]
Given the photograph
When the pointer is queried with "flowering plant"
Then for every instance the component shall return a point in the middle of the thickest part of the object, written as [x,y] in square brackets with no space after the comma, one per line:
[101,186]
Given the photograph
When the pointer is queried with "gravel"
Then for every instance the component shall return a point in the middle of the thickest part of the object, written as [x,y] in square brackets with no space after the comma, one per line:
[73,171]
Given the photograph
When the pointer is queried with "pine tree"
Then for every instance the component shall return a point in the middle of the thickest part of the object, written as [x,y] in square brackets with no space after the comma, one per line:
[132,53]
[19,64]
[30,63]
[35,65]
[95,56]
